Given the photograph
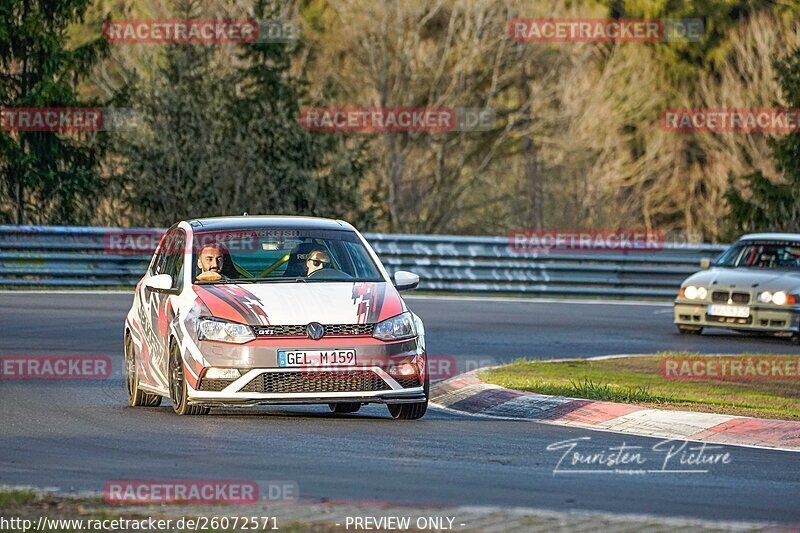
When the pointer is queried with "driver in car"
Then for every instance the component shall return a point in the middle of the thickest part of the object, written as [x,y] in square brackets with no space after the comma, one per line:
[210,261]
[316,261]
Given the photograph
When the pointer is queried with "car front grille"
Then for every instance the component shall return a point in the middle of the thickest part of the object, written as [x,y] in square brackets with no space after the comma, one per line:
[299,330]
[327,381]
[407,383]
[719,296]
[740,297]
[214,385]
[729,320]
[736,297]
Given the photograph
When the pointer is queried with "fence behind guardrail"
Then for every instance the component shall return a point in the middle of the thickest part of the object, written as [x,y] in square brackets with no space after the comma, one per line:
[67,256]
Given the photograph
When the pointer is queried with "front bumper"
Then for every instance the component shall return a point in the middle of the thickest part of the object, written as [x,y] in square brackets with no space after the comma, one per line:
[242,391]
[263,381]
[762,318]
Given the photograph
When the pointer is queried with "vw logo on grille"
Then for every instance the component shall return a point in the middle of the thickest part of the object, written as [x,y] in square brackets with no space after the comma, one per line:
[315,330]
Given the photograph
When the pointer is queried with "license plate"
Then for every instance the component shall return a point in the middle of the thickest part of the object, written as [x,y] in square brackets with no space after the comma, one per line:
[316,358]
[733,311]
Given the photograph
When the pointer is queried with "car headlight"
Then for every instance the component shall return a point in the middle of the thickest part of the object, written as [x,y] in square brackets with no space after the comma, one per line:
[214,329]
[395,328]
[777,298]
[691,292]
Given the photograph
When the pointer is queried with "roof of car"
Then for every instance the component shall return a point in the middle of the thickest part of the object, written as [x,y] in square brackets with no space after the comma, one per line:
[771,237]
[262,221]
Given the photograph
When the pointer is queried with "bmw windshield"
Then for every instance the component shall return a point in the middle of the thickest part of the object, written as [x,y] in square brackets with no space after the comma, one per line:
[261,255]
[762,255]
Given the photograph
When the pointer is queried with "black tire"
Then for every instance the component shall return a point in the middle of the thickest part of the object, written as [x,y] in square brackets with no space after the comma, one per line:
[136,396]
[690,330]
[344,408]
[796,339]
[177,386]
[411,411]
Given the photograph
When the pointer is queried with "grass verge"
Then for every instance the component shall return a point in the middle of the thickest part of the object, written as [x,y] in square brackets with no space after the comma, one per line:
[638,380]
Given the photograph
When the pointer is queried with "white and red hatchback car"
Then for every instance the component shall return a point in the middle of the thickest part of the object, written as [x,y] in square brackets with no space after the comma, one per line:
[273,310]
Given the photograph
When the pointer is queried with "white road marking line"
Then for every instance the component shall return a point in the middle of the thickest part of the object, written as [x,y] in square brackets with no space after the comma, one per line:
[537,300]
[66,291]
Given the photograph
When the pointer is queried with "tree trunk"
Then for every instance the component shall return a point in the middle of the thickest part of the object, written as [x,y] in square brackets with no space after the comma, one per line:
[532,176]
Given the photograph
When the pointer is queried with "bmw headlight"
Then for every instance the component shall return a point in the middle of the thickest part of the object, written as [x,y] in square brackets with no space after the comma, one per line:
[214,329]
[395,328]
[777,298]
[690,292]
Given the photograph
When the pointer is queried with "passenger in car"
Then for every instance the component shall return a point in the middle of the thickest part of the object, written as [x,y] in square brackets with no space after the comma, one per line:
[316,261]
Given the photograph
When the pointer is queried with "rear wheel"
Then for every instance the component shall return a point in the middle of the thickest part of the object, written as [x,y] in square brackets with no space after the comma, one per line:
[178,391]
[136,396]
[411,411]
[690,330]
[347,407]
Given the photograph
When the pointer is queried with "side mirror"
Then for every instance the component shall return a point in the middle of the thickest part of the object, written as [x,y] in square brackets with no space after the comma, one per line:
[705,263]
[159,283]
[404,280]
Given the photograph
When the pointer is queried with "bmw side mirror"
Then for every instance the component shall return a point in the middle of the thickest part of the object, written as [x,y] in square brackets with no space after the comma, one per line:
[159,283]
[404,280]
[705,263]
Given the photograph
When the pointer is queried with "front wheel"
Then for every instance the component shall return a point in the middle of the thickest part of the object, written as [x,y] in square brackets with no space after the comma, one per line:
[690,330]
[411,411]
[178,391]
[344,408]
[136,396]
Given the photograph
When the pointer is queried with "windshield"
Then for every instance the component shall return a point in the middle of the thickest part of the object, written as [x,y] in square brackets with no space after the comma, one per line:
[281,255]
[761,254]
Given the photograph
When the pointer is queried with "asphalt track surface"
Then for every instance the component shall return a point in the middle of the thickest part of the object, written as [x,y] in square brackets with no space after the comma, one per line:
[77,435]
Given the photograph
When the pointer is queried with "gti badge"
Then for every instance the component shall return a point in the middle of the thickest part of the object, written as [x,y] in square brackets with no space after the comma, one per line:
[315,330]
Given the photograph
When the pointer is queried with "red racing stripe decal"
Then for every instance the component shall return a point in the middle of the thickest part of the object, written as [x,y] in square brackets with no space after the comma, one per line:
[373,303]
[244,305]
[217,305]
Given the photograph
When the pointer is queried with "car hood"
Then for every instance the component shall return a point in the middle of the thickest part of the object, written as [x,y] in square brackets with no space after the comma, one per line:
[747,279]
[301,303]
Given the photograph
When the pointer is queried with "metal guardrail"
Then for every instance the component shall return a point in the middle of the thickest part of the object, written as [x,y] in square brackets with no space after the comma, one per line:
[67,256]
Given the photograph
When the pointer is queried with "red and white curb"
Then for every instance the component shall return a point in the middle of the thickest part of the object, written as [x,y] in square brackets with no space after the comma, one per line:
[468,394]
